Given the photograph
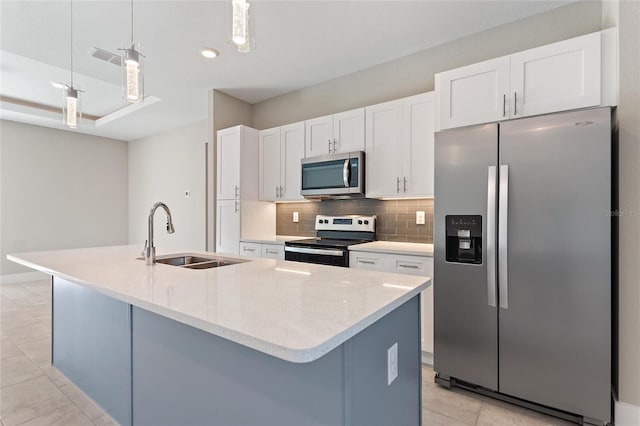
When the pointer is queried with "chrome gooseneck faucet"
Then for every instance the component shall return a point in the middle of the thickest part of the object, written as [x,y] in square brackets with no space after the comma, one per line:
[149,251]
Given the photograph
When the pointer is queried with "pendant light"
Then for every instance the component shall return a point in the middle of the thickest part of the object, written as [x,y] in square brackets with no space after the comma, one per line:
[240,33]
[71,111]
[132,72]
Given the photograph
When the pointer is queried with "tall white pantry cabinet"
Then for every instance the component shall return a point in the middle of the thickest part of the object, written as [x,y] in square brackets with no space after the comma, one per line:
[239,213]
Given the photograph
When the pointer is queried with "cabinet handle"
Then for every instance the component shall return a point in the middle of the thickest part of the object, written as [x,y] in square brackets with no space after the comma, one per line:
[277,192]
[397,185]
[237,206]
[281,191]
[405,183]
[249,249]
[367,262]
[515,103]
[329,146]
[403,265]
[504,105]
[334,145]
[271,251]
[237,190]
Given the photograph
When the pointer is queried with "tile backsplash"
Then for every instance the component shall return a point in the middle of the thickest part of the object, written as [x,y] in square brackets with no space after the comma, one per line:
[396,219]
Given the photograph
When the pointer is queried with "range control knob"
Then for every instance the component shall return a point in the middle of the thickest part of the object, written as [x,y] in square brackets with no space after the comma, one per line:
[326,221]
[360,222]
[366,222]
[319,220]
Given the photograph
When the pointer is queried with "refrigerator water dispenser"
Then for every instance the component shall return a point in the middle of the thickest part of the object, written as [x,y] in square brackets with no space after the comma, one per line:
[464,239]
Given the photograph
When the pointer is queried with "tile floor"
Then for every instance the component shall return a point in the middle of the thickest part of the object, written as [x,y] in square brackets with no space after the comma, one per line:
[32,392]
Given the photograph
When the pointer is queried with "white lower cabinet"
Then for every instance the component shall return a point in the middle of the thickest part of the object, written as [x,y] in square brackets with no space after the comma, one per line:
[272,251]
[403,264]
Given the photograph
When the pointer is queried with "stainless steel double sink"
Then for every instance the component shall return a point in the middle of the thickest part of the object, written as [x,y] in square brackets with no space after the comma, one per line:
[195,261]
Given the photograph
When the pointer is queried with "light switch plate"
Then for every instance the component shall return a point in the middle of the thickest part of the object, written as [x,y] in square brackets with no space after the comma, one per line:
[392,363]
[420,217]
[296,217]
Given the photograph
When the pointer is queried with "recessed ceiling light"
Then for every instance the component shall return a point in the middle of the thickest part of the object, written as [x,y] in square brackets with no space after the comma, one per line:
[210,53]
[57,85]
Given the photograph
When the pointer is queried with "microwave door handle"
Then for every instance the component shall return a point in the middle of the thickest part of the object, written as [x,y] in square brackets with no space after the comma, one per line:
[345,173]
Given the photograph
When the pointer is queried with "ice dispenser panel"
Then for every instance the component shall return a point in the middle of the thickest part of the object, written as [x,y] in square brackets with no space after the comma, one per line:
[464,239]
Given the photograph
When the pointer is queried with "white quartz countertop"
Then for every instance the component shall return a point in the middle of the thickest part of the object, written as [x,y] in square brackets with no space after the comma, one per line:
[414,249]
[276,239]
[294,311]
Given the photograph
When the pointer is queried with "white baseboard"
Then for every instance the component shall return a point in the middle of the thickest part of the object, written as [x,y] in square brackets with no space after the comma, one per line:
[427,358]
[627,414]
[23,278]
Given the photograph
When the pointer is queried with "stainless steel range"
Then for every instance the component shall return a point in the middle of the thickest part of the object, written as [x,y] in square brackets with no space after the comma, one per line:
[334,236]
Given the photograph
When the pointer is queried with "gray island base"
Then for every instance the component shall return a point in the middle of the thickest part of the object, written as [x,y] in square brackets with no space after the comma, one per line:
[145,369]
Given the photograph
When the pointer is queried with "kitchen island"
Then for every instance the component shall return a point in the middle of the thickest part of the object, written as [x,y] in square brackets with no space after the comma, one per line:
[262,342]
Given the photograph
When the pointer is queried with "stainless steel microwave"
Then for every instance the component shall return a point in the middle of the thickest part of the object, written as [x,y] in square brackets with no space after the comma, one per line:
[333,176]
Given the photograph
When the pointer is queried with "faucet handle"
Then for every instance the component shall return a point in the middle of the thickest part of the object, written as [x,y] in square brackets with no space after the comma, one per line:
[144,250]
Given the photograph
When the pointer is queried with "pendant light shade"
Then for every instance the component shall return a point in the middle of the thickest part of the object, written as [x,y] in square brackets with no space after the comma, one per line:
[133,76]
[71,111]
[132,71]
[240,22]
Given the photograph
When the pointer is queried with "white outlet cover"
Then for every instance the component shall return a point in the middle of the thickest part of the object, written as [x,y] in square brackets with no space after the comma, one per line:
[296,217]
[392,363]
[420,217]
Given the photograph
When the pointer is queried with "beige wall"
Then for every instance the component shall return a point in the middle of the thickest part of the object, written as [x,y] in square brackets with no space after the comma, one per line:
[59,189]
[414,74]
[629,203]
[162,168]
[224,111]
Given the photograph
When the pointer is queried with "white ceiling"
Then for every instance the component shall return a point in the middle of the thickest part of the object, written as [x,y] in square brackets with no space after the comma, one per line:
[299,43]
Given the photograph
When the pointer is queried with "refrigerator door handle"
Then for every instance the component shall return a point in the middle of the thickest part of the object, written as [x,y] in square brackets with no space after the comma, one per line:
[503,229]
[491,236]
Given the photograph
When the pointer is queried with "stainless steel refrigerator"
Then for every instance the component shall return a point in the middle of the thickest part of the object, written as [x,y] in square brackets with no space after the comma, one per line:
[522,233]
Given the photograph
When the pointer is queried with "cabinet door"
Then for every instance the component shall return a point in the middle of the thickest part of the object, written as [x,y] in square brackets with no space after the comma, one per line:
[318,136]
[292,151]
[383,147]
[418,126]
[473,94]
[228,163]
[228,226]
[348,131]
[368,260]
[559,76]
[250,249]
[273,251]
[269,183]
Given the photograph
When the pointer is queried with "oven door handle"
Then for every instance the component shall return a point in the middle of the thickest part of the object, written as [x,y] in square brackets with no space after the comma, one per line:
[306,250]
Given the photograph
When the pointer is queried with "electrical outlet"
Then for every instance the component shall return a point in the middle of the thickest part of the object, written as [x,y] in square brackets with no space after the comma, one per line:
[420,217]
[392,363]
[296,217]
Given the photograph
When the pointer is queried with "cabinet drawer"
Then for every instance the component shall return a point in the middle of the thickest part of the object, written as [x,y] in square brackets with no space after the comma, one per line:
[412,265]
[250,250]
[365,260]
[273,251]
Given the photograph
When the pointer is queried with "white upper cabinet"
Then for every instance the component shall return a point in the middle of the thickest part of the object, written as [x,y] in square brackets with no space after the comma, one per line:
[281,150]
[228,176]
[269,143]
[570,74]
[332,134]
[473,94]
[418,127]
[556,77]
[383,145]
[399,147]
[291,152]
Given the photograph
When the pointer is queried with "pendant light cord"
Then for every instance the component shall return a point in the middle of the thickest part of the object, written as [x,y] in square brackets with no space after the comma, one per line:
[131,23]
[71,39]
